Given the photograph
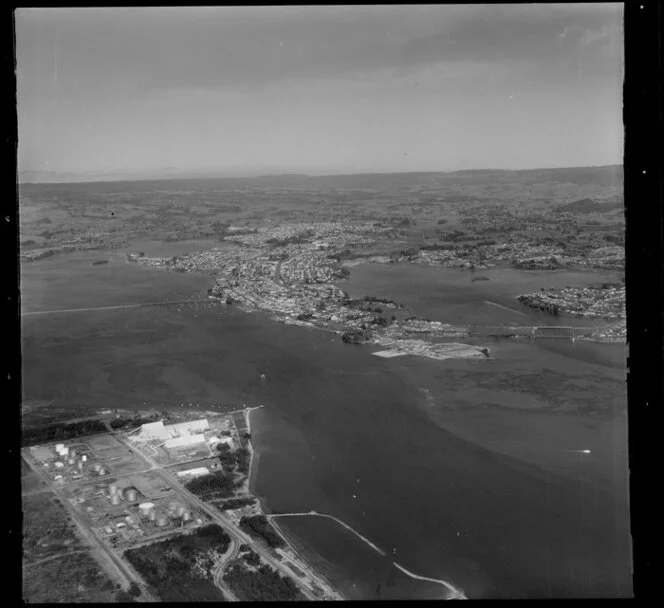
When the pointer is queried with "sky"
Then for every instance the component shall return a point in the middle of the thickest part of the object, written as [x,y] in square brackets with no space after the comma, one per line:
[337,89]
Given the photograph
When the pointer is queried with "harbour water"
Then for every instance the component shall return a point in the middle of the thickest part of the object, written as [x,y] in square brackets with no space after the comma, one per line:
[472,471]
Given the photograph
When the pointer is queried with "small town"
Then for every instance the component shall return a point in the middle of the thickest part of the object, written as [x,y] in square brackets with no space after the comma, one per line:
[294,283]
[293,272]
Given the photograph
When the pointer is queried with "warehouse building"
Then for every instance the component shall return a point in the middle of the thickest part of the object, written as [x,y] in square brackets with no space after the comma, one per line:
[184,441]
[197,472]
[157,430]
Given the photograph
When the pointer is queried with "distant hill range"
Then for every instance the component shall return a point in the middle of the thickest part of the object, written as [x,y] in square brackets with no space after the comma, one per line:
[607,175]
[586,205]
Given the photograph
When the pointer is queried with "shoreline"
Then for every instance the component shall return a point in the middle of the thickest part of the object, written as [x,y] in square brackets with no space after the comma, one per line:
[264,508]
[254,458]
[295,546]
[300,553]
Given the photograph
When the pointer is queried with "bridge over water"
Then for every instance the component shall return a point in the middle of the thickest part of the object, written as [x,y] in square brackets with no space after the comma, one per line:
[530,331]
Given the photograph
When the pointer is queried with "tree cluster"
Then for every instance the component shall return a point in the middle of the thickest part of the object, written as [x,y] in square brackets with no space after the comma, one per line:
[212,485]
[167,566]
[356,336]
[236,503]
[259,527]
[60,432]
[264,585]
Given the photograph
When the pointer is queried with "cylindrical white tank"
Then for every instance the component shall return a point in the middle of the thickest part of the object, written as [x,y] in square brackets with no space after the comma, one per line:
[115,499]
[84,458]
[59,446]
[181,510]
[152,516]
[113,488]
[162,521]
[131,495]
[186,516]
[145,508]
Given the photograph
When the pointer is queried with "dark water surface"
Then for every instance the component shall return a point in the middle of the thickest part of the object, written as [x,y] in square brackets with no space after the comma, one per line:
[471,470]
[450,295]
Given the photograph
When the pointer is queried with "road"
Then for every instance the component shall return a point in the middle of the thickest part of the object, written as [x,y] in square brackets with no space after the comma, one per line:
[236,534]
[218,575]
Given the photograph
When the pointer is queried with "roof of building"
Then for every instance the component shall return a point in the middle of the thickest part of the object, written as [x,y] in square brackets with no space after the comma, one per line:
[196,471]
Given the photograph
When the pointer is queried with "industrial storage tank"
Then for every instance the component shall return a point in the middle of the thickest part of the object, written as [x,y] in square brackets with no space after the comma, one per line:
[59,446]
[181,510]
[113,488]
[162,521]
[84,457]
[96,467]
[186,516]
[152,516]
[131,495]
[145,508]
[115,499]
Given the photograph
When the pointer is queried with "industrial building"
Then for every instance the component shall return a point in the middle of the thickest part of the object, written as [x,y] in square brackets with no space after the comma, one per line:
[157,430]
[197,472]
[184,441]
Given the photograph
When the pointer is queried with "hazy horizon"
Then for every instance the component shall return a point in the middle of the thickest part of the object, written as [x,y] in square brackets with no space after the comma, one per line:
[64,178]
[244,92]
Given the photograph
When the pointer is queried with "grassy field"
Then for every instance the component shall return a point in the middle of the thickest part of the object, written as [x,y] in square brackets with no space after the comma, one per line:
[30,481]
[57,566]
[47,529]
[74,578]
